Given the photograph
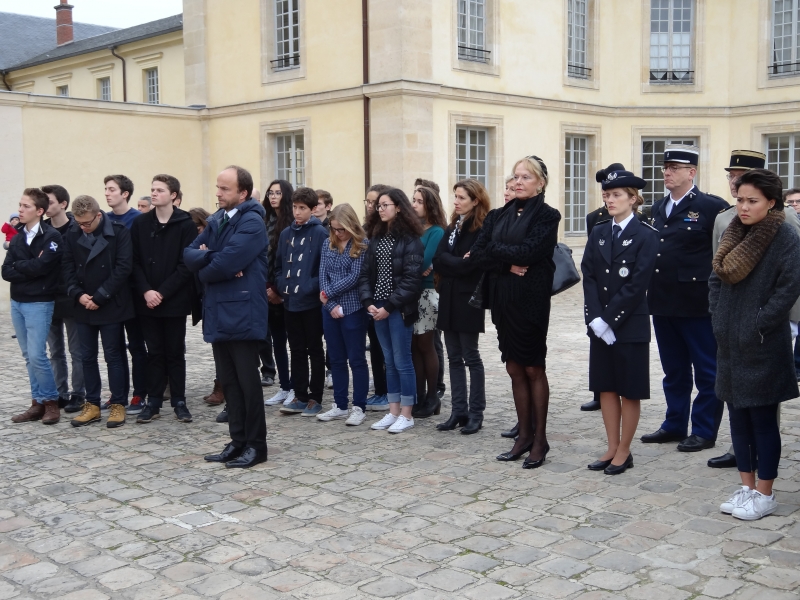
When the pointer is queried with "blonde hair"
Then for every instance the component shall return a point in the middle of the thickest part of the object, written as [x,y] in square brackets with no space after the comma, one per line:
[347,218]
[509,178]
[535,167]
[85,205]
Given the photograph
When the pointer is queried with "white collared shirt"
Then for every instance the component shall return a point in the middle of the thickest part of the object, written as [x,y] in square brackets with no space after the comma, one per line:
[623,224]
[674,203]
[232,212]
[30,234]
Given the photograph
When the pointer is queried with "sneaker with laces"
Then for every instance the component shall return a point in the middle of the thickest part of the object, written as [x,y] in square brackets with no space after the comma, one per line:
[401,424]
[333,414]
[182,413]
[755,506]
[135,406]
[738,497]
[312,409]
[386,422]
[356,417]
[89,414]
[116,417]
[295,407]
[279,397]
[148,414]
[289,398]
[378,403]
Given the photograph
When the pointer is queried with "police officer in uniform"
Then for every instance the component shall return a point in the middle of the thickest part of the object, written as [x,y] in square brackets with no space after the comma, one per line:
[678,302]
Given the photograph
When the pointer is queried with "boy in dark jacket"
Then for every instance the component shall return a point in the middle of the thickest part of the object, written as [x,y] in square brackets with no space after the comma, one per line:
[32,266]
[162,295]
[98,260]
[297,258]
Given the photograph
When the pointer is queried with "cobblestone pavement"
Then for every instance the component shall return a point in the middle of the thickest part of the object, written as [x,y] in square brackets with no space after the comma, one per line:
[341,512]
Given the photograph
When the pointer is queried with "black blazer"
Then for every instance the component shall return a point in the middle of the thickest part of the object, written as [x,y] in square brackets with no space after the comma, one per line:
[615,283]
[33,271]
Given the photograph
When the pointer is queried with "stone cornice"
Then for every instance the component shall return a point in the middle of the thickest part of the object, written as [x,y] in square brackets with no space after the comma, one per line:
[96,106]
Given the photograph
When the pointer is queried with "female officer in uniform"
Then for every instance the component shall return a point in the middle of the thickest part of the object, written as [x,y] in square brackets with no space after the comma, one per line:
[617,265]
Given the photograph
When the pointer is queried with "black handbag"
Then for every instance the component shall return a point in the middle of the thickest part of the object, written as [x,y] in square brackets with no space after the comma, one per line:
[566,274]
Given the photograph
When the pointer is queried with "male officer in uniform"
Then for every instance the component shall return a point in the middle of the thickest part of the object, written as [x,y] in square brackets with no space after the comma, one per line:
[678,301]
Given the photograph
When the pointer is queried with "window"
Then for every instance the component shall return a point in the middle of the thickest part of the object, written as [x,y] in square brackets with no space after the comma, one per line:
[290,158]
[783,157]
[576,39]
[62,90]
[151,87]
[287,35]
[671,41]
[652,159]
[785,37]
[471,153]
[575,167]
[104,88]
[472,30]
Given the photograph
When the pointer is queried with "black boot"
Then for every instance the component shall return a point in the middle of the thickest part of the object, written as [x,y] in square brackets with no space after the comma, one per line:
[427,408]
[473,426]
[454,421]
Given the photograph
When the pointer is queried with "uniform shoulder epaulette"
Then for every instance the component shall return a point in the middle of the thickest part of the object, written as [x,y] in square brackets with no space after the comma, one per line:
[601,222]
[645,223]
[725,209]
[716,198]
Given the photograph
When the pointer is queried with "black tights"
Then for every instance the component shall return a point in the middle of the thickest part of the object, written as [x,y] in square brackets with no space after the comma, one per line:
[531,397]
[426,364]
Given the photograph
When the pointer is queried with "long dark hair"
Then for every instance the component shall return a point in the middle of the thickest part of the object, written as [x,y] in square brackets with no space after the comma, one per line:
[434,211]
[285,216]
[404,223]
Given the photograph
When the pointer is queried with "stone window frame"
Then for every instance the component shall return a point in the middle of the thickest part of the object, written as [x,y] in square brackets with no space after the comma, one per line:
[496,172]
[592,48]
[491,41]
[146,63]
[703,135]
[765,80]
[268,131]
[60,81]
[268,45]
[593,197]
[105,71]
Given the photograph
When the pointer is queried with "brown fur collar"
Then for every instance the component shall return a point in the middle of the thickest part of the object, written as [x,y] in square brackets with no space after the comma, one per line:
[742,247]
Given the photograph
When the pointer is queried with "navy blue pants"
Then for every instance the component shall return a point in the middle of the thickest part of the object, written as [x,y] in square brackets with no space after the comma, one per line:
[756,439]
[687,344]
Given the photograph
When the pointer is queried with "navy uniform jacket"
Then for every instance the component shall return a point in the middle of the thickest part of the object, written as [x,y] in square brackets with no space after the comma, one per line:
[615,284]
[679,287]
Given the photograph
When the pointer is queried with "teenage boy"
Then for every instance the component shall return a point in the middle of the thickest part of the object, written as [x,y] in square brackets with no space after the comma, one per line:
[163,295]
[64,316]
[32,266]
[297,257]
[322,211]
[119,190]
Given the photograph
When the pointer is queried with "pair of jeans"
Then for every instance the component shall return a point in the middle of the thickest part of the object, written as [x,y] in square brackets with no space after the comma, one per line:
[376,359]
[58,357]
[304,329]
[756,439]
[347,340]
[395,338]
[138,351]
[277,331]
[463,353]
[112,338]
[31,324]
[237,364]
[166,358]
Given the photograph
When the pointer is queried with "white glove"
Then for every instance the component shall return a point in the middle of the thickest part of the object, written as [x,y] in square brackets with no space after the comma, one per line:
[608,336]
[599,327]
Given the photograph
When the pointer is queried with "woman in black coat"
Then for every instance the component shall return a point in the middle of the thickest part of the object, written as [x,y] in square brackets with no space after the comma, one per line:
[516,248]
[754,284]
[462,324]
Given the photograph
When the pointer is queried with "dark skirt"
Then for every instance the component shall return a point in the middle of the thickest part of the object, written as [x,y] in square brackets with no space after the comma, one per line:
[519,339]
[622,368]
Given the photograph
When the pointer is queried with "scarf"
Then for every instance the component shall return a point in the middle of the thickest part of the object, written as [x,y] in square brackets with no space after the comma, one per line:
[456,230]
[512,227]
[742,247]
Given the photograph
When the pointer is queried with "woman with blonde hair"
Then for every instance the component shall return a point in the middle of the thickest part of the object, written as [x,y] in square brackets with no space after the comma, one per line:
[509,193]
[344,320]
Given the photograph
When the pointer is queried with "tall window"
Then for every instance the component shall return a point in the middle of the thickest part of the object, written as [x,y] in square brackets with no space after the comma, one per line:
[576,39]
[290,158]
[785,37]
[472,30]
[652,160]
[287,34]
[62,90]
[151,87]
[671,24]
[104,88]
[576,162]
[471,154]
[783,157]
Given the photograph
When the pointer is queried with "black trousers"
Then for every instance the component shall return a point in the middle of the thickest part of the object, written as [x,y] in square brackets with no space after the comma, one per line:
[756,439]
[237,365]
[376,358]
[165,338]
[265,354]
[304,329]
[437,344]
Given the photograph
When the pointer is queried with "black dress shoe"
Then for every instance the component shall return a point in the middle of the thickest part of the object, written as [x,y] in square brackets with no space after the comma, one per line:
[223,416]
[249,458]
[509,456]
[454,421]
[535,464]
[511,433]
[661,437]
[694,443]
[74,405]
[591,405]
[726,461]
[229,453]
[473,426]
[599,465]
[619,469]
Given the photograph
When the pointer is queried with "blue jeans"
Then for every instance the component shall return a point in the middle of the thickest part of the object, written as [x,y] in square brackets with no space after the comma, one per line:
[32,324]
[113,340]
[395,339]
[347,341]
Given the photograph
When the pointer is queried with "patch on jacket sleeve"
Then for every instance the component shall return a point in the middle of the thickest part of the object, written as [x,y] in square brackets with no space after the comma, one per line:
[53,246]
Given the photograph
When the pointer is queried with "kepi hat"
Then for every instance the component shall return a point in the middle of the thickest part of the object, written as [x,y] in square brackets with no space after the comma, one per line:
[678,153]
[623,179]
[600,176]
[747,160]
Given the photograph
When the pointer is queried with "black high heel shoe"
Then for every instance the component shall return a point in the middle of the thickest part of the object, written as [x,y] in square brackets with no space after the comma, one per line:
[509,456]
[599,465]
[535,464]
[453,422]
[619,469]
[511,433]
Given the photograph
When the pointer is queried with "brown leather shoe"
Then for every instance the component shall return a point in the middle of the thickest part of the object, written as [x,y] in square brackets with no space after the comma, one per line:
[52,414]
[34,413]
[216,397]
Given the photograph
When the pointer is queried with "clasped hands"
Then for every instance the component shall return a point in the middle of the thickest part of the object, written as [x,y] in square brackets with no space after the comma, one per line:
[603,331]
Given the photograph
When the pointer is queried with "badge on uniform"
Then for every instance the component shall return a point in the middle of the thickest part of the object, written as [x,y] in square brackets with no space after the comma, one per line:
[693,216]
[624,272]
[53,246]
[602,242]
[627,242]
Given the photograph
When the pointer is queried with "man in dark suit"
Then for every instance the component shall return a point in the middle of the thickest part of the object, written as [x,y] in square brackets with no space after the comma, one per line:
[678,301]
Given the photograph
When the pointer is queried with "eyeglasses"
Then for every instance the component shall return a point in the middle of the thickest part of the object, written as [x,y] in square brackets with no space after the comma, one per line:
[274,194]
[793,202]
[731,177]
[385,206]
[89,224]
[338,229]
[673,168]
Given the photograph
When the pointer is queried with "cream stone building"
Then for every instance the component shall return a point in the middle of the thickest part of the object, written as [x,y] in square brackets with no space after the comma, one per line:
[342,94]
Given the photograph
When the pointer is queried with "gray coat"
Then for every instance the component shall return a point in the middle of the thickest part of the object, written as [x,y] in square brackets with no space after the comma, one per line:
[755,359]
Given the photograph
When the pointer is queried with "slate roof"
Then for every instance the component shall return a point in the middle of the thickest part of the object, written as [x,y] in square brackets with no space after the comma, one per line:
[101,42]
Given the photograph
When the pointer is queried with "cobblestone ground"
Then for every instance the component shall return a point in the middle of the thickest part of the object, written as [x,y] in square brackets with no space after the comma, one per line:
[342,512]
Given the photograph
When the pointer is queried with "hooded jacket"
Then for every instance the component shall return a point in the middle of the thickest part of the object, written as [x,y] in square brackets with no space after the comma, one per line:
[297,264]
[34,270]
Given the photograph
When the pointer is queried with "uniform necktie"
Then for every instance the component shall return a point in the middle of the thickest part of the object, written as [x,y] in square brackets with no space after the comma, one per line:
[225,220]
[671,207]
[615,231]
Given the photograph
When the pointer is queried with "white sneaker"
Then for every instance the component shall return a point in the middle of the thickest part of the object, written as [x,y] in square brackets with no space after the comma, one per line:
[329,381]
[334,413]
[401,424]
[386,422]
[279,397]
[736,500]
[289,398]
[756,506]
[356,417]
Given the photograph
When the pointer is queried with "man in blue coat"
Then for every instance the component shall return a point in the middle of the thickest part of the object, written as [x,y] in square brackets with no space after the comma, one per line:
[230,260]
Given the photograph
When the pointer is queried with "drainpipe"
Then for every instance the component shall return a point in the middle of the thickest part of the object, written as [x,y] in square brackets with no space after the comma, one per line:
[124,74]
[5,82]
[365,61]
